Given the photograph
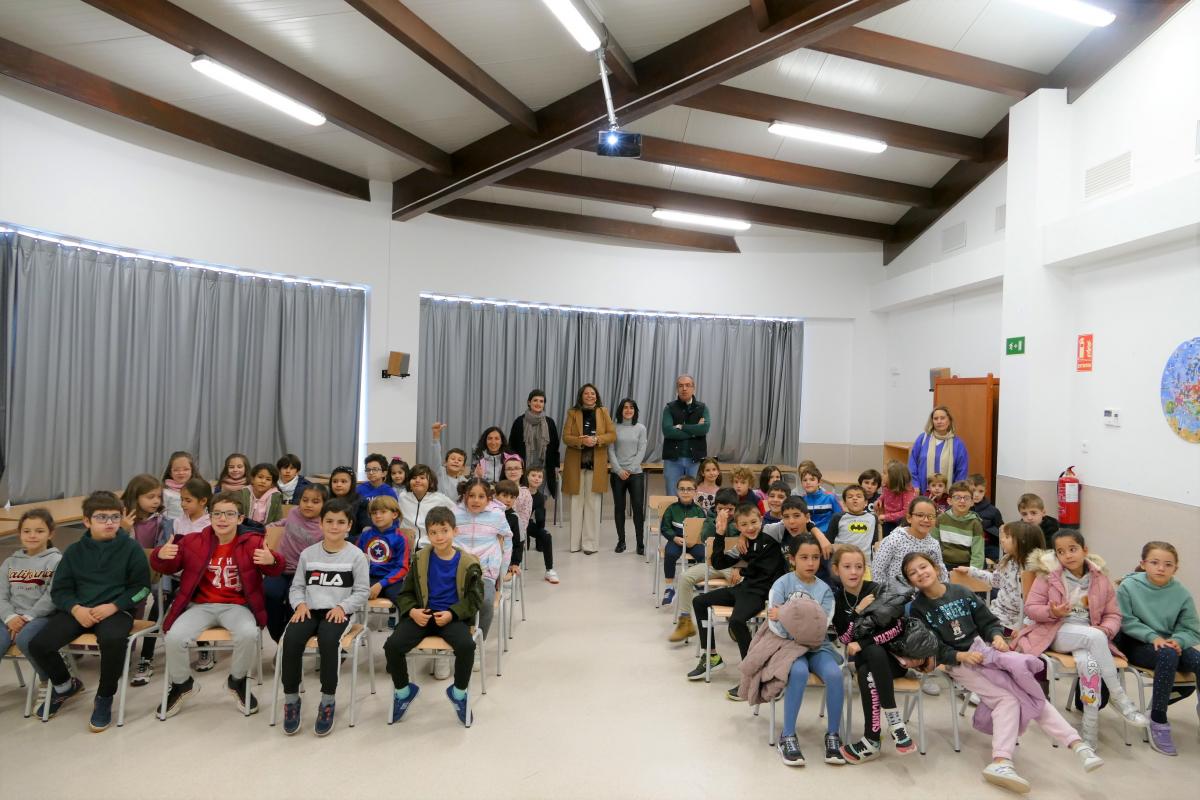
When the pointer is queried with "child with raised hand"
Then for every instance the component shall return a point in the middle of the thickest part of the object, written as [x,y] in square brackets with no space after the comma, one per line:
[376,485]
[776,494]
[1010,579]
[708,474]
[886,566]
[824,662]
[291,483]
[871,482]
[290,537]
[965,629]
[487,459]
[332,584]
[221,584]
[341,487]
[181,468]
[542,539]
[386,547]
[149,528]
[1033,511]
[1159,631]
[856,526]
[262,499]
[25,577]
[235,473]
[452,469]
[1072,608]
[398,474]
[440,597]
[99,581]
[671,526]
[484,533]
[989,516]
[421,497]
[959,530]
[821,504]
[898,492]
[193,501]
[937,492]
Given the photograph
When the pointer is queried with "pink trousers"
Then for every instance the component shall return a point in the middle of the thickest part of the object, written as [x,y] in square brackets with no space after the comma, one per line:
[1006,713]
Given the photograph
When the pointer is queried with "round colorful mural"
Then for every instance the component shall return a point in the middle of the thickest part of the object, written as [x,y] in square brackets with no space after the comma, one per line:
[1181,390]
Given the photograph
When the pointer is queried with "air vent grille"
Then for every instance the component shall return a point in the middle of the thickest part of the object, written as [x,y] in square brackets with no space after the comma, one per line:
[1109,175]
[1001,216]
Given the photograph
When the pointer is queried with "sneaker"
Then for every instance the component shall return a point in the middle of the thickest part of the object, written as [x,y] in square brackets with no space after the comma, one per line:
[399,707]
[324,725]
[668,596]
[291,717]
[930,688]
[789,751]
[143,673]
[1091,761]
[973,699]
[1131,714]
[175,697]
[904,742]
[711,663]
[833,749]
[238,688]
[732,694]
[1002,774]
[861,751]
[205,661]
[59,699]
[551,576]
[101,714]
[1160,739]
[441,668]
[460,708]
[684,630]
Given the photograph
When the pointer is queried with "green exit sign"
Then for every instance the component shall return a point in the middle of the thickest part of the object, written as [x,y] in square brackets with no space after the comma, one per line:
[1014,346]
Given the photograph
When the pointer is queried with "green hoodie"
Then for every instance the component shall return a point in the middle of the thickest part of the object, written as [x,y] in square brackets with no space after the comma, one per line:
[93,573]
[1149,611]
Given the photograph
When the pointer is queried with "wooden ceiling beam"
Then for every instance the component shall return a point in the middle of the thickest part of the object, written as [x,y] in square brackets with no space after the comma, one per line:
[502,214]
[767,108]
[634,194]
[399,22]
[193,35]
[861,44]
[48,73]
[615,59]
[702,59]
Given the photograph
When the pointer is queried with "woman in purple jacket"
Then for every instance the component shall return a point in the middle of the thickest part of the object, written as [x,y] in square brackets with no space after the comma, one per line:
[937,450]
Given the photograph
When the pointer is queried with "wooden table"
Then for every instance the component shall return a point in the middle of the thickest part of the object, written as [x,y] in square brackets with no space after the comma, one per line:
[65,510]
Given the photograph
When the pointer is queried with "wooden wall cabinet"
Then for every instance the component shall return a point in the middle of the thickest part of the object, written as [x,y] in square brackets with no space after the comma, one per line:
[974,404]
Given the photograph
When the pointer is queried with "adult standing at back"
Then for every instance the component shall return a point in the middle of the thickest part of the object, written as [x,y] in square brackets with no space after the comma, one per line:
[937,450]
[587,433]
[685,424]
[534,437]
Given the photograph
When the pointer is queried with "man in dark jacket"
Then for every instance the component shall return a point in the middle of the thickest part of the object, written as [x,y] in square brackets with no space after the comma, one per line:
[685,424]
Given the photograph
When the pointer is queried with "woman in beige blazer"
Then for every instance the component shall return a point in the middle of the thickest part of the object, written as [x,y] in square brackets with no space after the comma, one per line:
[587,434]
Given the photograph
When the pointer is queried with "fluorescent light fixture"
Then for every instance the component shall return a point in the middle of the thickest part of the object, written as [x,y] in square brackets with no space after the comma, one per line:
[264,94]
[1076,10]
[688,218]
[575,23]
[822,136]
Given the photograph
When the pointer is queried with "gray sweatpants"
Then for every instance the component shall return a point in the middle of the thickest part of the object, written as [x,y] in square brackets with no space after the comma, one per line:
[238,620]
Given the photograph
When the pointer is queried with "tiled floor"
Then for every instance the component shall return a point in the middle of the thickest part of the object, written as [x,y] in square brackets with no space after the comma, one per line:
[592,703]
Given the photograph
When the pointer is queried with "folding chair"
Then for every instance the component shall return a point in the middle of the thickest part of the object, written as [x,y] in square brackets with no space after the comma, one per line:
[912,690]
[1145,680]
[814,680]
[659,503]
[353,639]
[516,594]
[1062,665]
[723,613]
[15,655]
[499,615]
[214,640]
[437,647]
[691,537]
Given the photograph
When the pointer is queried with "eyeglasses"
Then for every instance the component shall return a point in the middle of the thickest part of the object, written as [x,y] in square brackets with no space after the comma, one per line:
[106,519]
[224,515]
[923,516]
[374,469]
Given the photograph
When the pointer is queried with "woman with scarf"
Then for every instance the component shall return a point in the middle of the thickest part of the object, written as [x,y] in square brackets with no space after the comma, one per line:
[534,437]
[937,450]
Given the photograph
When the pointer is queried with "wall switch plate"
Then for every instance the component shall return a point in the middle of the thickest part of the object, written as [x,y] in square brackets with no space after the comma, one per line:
[1112,417]
[1084,447]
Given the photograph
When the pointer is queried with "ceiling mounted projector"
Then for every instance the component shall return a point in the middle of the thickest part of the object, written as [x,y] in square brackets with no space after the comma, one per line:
[619,144]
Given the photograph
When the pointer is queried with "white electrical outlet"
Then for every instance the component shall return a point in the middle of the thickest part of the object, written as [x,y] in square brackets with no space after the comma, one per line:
[1112,417]
[1084,447]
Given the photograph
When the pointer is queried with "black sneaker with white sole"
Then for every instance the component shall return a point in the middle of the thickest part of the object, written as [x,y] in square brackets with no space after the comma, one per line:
[789,751]
[833,749]
[143,673]
[732,694]
[175,697]
[709,663]
[238,689]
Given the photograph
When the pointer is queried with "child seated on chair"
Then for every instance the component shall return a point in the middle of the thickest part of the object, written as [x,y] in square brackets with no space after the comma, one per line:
[332,584]
[507,493]
[777,492]
[742,481]
[441,596]
[484,533]
[937,492]
[751,583]
[291,483]
[221,586]
[960,531]
[871,482]
[98,582]
[672,529]
[822,505]
[824,662]
[976,657]
[194,498]
[856,526]
[386,547]
[1033,511]
[724,503]
[289,537]
[25,576]
[989,516]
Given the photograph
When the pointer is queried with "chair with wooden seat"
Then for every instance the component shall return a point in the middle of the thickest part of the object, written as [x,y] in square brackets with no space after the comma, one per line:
[815,681]
[1062,665]
[979,587]
[910,687]
[658,503]
[437,647]
[691,537]
[354,639]
[214,640]
[715,614]
[1144,678]
[14,654]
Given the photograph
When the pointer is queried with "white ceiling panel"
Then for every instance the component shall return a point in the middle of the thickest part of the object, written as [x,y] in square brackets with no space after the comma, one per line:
[861,208]
[957,108]
[1022,36]
[731,133]
[568,161]
[642,27]
[774,194]
[642,214]
[791,75]
[669,123]
[692,180]
[940,23]
[626,170]
[516,197]
[863,87]
[893,164]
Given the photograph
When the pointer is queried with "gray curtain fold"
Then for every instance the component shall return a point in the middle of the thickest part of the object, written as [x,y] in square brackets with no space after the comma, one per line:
[478,361]
[114,362]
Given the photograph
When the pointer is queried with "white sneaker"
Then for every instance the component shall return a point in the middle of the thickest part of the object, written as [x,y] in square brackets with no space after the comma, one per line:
[1002,773]
[441,668]
[1087,756]
[551,576]
[930,688]
[1131,714]
[973,699]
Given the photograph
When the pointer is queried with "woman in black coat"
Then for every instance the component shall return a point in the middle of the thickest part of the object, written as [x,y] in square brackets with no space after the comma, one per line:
[534,437]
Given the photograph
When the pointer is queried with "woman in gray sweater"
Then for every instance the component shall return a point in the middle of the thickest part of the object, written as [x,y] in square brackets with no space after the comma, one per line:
[625,472]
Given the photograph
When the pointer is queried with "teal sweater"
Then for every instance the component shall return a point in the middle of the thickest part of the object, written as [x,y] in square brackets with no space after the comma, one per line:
[93,573]
[1149,611]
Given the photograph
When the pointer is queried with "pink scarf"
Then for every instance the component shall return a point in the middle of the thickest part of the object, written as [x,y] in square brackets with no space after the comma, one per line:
[173,484]
[259,506]
[230,485]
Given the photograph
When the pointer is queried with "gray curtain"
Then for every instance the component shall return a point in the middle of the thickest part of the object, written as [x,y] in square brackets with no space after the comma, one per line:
[115,362]
[478,362]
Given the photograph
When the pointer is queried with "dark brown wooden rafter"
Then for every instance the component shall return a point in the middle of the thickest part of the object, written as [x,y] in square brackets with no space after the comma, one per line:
[615,59]
[48,73]
[188,32]
[559,183]
[696,62]
[762,14]
[399,22]
[502,214]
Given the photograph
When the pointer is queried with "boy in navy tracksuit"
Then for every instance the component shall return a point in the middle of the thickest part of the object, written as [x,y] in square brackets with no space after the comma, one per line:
[387,548]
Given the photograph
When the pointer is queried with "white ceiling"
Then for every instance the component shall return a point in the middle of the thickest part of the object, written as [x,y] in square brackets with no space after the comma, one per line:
[520,44]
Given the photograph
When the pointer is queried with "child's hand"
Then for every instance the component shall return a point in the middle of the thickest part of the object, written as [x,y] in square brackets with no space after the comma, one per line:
[83,615]
[824,543]
[678,540]
[301,613]
[514,569]
[1060,610]
[103,612]
[420,616]
[15,625]
[169,551]
[376,588]
[263,557]
[743,545]
[1000,643]
[624,475]
[722,520]
[735,576]
[963,570]
[970,658]
[438,427]
[773,613]
[127,521]
[864,604]
[442,618]
[853,649]
[336,614]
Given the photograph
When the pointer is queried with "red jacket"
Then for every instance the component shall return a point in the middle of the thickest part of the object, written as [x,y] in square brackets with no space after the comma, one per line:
[196,550]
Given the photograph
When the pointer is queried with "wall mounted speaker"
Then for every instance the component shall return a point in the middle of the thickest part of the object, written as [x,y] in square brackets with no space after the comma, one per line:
[397,366]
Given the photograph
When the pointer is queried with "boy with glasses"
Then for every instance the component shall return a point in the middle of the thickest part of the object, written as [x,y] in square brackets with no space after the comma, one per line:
[376,485]
[96,586]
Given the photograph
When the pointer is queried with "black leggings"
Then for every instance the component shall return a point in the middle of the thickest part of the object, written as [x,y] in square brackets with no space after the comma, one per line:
[1165,662]
[112,634]
[635,487]
[876,669]
[408,634]
[544,542]
[329,643]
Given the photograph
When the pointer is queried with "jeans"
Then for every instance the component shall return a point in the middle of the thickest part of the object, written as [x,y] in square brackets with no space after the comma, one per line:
[825,666]
[329,644]
[674,469]
[671,554]
[22,640]
[635,487]
[408,634]
[61,629]
[488,610]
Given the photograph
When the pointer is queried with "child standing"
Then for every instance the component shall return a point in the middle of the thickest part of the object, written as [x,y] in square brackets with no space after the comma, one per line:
[856,526]
[937,492]
[871,482]
[1033,511]
[330,586]
[960,620]
[959,530]
[1159,631]
[262,499]
[291,483]
[824,662]
[290,537]
[440,597]
[913,539]
[181,468]
[143,501]
[484,533]
[898,492]
[97,584]
[821,504]
[25,600]
[989,516]
[421,497]
[193,501]
[709,473]
[453,469]
[672,529]
[234,473]
[1010,579]
[542,539]
[386,547]
[1072,607]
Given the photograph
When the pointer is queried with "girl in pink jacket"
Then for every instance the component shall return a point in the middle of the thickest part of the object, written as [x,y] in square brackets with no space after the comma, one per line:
[1072,607]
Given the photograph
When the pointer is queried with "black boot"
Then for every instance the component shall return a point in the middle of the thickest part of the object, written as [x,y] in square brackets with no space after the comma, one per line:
[620,545]
[641,546]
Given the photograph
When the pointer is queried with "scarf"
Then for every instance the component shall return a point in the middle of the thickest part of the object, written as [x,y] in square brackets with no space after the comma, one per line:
[931,464]
[299,532]
[288,488]
[537,439]
[230,485]
[259,506]
[173,484]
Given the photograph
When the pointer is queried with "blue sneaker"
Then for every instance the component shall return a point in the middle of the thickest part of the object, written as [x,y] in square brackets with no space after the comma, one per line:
[668,596]
[324,719]
[101,714]
[460,707]
[400,706]
[291,717]
[58,700]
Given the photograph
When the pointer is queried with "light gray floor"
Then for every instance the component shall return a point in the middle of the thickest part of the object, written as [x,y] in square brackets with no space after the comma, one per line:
[592,703]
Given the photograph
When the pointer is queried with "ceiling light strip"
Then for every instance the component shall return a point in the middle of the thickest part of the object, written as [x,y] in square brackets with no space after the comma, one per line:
[259,91]
[705,220]
[823,136]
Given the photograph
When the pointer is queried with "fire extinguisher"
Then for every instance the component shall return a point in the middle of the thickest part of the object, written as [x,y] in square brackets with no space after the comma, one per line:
[1068,498]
